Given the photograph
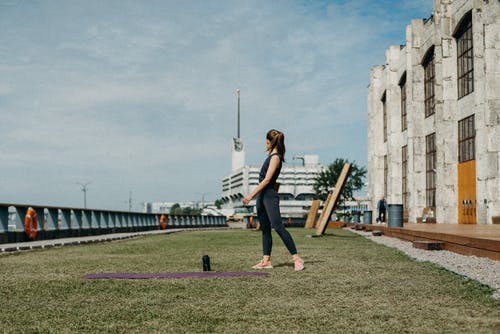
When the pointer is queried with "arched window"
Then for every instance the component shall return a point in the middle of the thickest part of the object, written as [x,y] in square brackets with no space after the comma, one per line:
[386,174]
[402,85]
[430,170]
[384,115]
[465,55]
[429,82]
[404,175]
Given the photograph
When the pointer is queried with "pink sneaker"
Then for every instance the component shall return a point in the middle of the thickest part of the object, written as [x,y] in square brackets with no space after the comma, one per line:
[299,265]
[263,265]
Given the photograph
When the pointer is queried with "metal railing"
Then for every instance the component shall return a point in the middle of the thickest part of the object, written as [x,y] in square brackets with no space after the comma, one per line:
[63,222]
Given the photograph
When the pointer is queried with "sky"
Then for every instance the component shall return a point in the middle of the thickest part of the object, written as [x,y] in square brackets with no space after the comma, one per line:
[138,97]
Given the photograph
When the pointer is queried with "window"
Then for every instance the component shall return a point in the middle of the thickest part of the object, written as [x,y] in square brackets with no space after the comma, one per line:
[402,85]
[430,170]
[429,80]
[386,174]
[465,55]
[384,115]
[404,173]
[466,139]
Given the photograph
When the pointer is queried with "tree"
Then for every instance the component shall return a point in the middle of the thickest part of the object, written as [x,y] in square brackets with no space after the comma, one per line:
[191,211]
[326,180]
[176,209]
[218,203]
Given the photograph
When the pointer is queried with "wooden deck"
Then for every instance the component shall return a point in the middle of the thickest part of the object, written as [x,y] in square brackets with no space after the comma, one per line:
[478,240]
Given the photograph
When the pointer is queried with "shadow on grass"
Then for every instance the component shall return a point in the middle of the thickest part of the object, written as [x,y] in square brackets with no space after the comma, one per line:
[291,265]
[333,235]
[283,265]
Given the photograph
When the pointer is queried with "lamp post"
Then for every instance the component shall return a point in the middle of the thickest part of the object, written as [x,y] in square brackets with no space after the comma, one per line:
[130,200]
[238,93]
[203,199]
[84,189]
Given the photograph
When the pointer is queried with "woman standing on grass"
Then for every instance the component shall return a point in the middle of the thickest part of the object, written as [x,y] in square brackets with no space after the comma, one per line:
[268,205]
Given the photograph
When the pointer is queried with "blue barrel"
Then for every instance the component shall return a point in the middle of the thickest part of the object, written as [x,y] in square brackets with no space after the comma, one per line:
[395,215]
[367,217]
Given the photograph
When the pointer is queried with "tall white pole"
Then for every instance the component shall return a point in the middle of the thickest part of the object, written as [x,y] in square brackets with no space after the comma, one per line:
[238,92]
[84,189]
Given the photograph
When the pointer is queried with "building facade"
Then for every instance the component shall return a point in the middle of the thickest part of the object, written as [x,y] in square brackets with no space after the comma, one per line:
[434,116]
[296,189]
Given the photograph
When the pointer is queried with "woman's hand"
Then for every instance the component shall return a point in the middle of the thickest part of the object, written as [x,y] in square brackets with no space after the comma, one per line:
[247,199]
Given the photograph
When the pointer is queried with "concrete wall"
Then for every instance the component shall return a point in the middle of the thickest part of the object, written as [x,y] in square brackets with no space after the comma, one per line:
[483,102]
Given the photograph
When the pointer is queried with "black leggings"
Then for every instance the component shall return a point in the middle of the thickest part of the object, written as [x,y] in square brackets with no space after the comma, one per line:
[268,210]
[381,215]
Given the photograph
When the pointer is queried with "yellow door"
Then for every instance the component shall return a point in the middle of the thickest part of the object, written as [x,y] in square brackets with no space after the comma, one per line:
[467,192]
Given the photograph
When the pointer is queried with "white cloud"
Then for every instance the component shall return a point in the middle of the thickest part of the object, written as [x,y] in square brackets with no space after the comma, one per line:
[141,95]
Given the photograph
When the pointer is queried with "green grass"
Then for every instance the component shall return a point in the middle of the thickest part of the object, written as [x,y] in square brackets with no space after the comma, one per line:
[350,285]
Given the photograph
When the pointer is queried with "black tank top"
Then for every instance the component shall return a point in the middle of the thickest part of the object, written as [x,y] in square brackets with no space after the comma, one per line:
[265,167]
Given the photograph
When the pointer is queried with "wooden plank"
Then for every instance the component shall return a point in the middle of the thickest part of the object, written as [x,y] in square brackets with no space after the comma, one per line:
[454,243]
[428,245]
[328,209]
[324,207]
[336,224]
[313,213]
[478,240]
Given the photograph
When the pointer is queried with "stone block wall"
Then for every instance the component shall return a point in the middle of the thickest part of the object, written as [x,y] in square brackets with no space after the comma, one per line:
[437,32]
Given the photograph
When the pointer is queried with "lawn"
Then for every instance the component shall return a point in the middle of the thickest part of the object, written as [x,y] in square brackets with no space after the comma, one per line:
[350,285]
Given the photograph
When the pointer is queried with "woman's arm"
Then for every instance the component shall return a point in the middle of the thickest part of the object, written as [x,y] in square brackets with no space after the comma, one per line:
[273,166]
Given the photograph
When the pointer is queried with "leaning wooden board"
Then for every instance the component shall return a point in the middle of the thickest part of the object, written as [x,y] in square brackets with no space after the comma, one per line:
[323,211]
[330,205]
[313,213]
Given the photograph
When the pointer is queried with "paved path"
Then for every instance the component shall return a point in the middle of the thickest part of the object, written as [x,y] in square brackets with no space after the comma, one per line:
[20,246]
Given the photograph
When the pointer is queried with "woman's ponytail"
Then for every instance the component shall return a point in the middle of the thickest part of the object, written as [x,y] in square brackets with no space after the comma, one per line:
[277,140]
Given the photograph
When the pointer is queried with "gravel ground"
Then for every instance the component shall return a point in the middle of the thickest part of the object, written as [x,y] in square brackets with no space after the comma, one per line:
[484,270]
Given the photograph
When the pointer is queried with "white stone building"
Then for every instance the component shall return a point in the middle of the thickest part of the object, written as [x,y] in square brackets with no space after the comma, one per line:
[434,116]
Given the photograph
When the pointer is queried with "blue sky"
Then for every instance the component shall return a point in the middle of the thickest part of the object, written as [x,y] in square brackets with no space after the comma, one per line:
[140,95]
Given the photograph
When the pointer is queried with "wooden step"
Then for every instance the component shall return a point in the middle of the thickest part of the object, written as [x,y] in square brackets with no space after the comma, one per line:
[428,245]
[481,240]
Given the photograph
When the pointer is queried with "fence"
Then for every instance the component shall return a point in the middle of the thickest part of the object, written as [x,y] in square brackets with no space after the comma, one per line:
[61,222]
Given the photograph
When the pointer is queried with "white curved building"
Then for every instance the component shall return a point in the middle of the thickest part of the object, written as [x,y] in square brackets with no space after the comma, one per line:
[296,189]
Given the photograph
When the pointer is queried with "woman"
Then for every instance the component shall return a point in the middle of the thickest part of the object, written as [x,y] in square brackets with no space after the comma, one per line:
[268,209]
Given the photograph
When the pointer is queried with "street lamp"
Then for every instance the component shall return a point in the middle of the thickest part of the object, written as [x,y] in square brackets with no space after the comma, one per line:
[238,93]
[203,198]
[84,189]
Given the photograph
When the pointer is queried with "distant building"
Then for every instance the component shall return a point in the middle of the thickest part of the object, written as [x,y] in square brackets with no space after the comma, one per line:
[164,207]
[434,116]
[296,189]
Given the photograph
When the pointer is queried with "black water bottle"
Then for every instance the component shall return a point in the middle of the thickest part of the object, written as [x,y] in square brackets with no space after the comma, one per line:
[206,263]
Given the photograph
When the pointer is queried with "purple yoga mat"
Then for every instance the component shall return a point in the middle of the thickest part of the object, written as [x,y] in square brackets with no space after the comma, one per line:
[200,274]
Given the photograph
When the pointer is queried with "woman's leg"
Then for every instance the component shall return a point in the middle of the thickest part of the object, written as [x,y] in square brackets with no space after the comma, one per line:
[272,208]
[265,227]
